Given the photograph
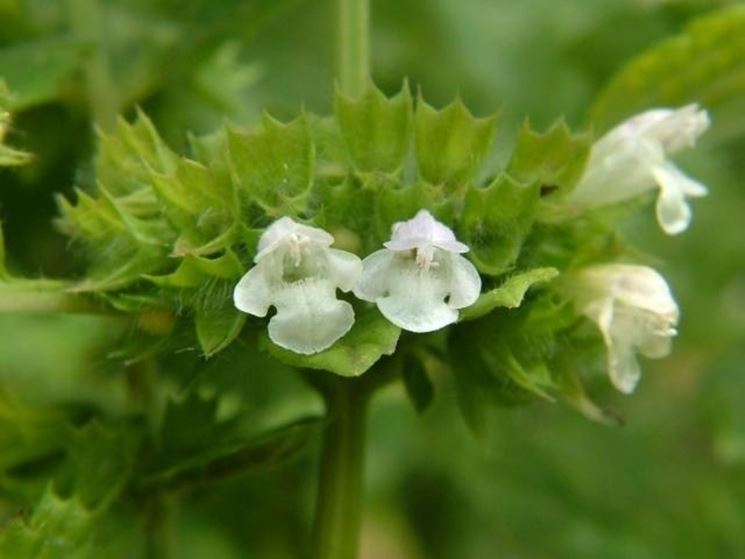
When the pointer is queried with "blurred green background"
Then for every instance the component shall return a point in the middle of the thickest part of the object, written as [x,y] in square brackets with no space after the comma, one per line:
[543,482]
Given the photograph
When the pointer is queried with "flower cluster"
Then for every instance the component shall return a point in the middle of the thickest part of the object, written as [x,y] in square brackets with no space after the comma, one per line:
[420,279]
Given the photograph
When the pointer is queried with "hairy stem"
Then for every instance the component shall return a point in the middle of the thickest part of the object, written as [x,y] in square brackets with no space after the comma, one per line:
[43,296]
[87,24]
[340,487]
[353,45]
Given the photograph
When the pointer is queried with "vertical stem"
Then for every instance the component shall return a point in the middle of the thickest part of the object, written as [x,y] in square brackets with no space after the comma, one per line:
[86,22]
[353,45]
[158,528]
[336,528]
[340,487]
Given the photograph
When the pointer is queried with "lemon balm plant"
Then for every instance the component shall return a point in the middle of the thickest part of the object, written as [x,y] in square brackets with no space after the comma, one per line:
[352,250]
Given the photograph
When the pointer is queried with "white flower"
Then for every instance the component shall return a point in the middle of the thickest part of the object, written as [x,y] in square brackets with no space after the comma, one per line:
[635,312]
[419,281]
[298,273]
[632,158]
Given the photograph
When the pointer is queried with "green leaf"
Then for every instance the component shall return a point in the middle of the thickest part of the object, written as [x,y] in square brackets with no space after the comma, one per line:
[572,391]
[37,69]
[274,166]
[418,386]
[200,202]
[555,159]
[376,130]
[371,337]
[217,328]
[103,458]
[128,156]
[221,461]
[28,433]
[704,64]
[477,388]
[193,271]
[58,528]
[496,221]
[450,143]
[510,294]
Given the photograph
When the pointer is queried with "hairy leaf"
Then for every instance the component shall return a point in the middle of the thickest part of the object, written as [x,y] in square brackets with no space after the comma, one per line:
[450,143]
[274,166]
[496,221]
[217,328]
[376,130]
[555,159]
[57,528]
[509,294]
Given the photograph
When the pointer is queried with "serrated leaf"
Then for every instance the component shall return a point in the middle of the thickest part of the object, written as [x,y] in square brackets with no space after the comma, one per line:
[371,337]
[478,390]
[58,528]
[220,461]
[418,385]
[127,157]
[376,129]
[401,204]
[200,202]
[555,159]
[103,458]
[217,328]
[190,424]
[510,294]
[704,64]
[28,432]
[496,221]
[274,166]
[450,143]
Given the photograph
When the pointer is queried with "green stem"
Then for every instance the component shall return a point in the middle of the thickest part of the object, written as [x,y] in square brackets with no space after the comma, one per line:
[353,43]
[43,296]
[86,22]
[158,527]
[339,503]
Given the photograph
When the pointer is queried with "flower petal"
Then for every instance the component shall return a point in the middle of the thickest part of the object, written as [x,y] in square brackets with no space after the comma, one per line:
[376,271]
[283,228]
[656,346]
[415,298]
[309,317]
[252,295]
[346,268]
[623,367]
[421,231]
[673,212]
[465,282]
